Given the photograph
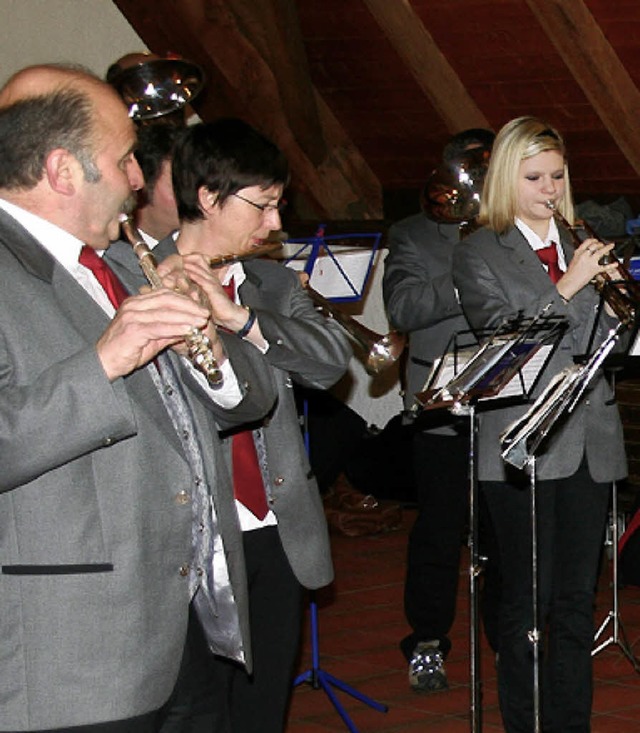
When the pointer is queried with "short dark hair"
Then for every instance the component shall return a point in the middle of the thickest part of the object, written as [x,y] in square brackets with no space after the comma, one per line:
[155,145]
[462,141]
[225,156]
[31,128]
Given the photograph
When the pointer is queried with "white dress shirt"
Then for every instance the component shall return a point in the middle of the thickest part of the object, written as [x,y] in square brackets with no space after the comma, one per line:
[65,249]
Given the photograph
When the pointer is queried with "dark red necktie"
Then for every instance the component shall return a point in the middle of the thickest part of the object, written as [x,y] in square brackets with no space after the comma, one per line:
[549,257]
[248,486]
[104,275]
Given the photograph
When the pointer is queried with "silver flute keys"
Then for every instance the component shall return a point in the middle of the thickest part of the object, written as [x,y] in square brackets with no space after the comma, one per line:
[198,344]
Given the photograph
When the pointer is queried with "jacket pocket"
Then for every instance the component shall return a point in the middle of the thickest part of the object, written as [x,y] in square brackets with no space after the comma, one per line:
[57,569]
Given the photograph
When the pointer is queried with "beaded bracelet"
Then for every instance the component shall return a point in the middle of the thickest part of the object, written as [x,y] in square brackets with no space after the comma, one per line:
[249,324]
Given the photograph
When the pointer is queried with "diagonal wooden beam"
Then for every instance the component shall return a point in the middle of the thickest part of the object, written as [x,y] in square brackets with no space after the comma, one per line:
[338,186]
[274,29]
[427,64]
[596,68]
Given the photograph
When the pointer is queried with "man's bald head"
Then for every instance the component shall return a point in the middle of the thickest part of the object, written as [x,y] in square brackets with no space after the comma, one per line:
[46,107]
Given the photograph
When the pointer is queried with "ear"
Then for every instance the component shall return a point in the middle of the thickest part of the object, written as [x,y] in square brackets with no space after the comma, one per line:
[207,200]
[61,170]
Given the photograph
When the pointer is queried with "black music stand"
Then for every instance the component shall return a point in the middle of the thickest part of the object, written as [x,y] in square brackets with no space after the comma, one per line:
[508,365]
[354,282]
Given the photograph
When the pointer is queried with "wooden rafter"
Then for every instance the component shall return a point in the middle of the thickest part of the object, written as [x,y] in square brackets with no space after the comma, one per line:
[333,177]
[437,79]
[596,68]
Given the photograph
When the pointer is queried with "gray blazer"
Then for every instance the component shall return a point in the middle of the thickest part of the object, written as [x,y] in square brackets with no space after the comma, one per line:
[420,297]
[93,532]
[500,276]
[312,350]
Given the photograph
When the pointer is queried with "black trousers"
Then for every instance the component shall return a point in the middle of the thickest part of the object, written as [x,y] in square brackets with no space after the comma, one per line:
[571,515]
[441,466]
[216,695]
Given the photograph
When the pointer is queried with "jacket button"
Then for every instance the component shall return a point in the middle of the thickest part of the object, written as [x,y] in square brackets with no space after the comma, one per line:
[184,570]
[278,481]
[182,497]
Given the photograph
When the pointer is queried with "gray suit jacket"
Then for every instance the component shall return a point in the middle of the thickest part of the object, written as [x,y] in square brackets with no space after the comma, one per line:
[93,607]
[500,276]
[420,297]
[312,350]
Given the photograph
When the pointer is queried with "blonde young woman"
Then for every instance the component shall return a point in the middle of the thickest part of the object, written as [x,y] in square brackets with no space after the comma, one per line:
[499,273]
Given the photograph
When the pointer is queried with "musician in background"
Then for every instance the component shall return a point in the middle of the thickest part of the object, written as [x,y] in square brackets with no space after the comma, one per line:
[156,214]
[420,299]
[228,183]
[519,262]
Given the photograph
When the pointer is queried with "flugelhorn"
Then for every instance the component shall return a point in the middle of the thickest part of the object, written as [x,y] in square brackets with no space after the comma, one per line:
[620,291]
[199,344]
[382,350]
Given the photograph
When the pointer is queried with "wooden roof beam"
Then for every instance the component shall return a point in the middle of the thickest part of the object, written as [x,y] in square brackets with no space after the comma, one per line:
[595,66]
[427,64]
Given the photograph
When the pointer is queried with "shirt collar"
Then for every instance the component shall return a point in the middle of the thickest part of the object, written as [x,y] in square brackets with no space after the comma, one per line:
[61,245]
[534,240]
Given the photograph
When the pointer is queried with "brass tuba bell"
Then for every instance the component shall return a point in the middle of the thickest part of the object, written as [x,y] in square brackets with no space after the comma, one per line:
[157,87]
[452,192]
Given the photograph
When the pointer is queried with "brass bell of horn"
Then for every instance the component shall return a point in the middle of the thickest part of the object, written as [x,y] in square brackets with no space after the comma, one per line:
[452,192]
[158,87]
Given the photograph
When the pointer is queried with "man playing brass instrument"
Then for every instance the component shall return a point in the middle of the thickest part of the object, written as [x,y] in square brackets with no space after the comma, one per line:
[112,493]
[421,301]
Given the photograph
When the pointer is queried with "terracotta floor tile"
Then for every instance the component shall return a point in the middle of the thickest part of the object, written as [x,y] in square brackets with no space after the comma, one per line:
[361,622]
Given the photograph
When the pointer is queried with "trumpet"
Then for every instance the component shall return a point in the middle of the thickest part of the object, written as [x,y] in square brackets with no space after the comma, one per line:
[620,291]
[199,345]
[382,350]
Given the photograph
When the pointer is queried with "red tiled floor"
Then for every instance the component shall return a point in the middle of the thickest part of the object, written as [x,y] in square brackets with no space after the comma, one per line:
[361,622]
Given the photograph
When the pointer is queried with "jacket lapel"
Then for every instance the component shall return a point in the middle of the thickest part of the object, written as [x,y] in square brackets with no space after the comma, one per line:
[88,319]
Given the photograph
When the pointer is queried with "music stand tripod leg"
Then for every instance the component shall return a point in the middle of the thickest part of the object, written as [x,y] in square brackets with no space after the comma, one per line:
[618,636]
[319,679]
[316,676]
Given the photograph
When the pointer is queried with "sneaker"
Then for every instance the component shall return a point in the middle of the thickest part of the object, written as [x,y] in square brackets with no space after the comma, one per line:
[426,668]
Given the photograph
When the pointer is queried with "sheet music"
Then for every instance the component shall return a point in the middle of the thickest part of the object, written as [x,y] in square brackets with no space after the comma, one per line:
[522,381]
[448,366]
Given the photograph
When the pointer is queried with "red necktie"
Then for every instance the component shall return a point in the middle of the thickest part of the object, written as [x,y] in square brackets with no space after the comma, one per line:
[248,486]
[104,275]
[549,257]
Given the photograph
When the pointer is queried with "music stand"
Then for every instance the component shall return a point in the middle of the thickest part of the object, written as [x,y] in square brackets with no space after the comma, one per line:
[508,364]
[337,267]
[520,442]
[354,280]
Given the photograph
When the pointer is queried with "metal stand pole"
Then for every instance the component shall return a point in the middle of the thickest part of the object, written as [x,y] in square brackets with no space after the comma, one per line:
[618,636]
[534,633]
[475,568]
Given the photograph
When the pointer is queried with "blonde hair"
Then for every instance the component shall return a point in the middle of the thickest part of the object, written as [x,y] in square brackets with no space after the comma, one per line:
[518,140]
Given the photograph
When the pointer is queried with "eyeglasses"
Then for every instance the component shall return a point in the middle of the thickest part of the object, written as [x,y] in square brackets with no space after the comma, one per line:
[262,207]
